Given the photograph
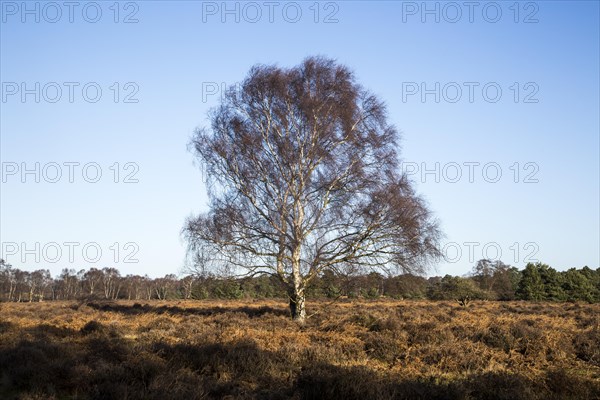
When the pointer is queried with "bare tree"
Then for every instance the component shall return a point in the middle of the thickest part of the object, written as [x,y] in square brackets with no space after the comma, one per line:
[187,286]
[303,176]
[8,279]
[36,283]
[42,279]
[30,284]
[148,285]
[68,284]
[164,286]
[92,279]
[133,285]
[111,283]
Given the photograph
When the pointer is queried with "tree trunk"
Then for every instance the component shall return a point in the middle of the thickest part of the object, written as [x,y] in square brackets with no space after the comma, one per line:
[13,288]
[296,293]
[298,305]
[296,285]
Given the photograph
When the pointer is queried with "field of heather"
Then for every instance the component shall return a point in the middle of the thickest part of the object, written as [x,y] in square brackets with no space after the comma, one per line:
[347,350]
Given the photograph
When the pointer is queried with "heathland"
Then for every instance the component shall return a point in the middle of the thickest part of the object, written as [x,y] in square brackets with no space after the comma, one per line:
[348,349]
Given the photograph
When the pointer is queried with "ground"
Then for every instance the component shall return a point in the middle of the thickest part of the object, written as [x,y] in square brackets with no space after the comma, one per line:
[352,349]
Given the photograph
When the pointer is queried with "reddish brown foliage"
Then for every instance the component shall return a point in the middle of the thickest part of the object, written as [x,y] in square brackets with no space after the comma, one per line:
[350,350]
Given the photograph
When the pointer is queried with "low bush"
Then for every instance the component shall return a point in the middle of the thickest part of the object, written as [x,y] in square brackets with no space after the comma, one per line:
[376,349]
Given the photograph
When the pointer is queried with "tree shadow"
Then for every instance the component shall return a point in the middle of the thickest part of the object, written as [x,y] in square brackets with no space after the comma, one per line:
[98,363]
[136,309]
[5,326]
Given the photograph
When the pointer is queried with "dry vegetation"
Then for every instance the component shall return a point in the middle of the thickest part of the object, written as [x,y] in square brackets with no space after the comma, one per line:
[349,350]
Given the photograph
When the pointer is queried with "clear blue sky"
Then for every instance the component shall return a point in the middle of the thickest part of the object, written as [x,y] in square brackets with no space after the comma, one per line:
[178,52]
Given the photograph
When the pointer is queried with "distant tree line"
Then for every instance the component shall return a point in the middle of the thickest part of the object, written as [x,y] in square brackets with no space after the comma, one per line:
[489,280]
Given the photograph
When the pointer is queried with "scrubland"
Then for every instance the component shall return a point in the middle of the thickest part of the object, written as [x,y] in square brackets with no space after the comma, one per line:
[351,349]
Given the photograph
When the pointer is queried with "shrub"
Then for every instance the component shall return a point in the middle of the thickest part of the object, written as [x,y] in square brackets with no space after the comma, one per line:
[587,345]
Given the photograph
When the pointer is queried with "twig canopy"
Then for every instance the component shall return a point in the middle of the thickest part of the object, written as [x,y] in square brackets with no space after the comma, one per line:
[303,175]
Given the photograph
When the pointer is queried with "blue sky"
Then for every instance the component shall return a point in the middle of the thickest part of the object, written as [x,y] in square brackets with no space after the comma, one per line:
[540,131]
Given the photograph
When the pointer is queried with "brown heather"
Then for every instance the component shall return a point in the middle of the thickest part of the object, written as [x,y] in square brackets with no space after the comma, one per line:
[349,350]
